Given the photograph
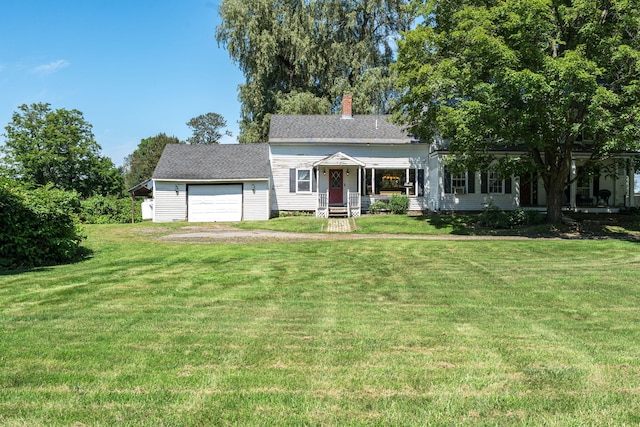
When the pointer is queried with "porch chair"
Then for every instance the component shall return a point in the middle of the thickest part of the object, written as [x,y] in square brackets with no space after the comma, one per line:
[604,196]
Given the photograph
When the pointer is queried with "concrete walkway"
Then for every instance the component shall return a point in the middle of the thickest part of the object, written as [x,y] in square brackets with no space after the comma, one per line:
[339,225]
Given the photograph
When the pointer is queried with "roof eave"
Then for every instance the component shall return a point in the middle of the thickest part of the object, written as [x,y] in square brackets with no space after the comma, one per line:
[342,141]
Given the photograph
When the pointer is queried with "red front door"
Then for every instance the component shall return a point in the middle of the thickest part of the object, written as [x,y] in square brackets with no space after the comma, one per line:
[335,187]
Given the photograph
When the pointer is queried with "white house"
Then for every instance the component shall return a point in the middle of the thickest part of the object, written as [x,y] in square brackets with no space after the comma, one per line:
[340,164]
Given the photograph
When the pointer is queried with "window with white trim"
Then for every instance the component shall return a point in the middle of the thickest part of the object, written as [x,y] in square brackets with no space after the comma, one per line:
[459,183]
[495,182]
[303,182]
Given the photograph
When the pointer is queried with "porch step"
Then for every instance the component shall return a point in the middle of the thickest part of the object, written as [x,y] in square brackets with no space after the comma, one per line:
[338,211]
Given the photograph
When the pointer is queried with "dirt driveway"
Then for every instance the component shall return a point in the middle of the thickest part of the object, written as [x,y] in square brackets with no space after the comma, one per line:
[216,233]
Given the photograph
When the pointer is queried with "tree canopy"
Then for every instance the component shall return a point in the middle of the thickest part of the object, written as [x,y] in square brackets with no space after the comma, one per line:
[207,129]
[45,146]
[322,49]
[540,74]
[140,164]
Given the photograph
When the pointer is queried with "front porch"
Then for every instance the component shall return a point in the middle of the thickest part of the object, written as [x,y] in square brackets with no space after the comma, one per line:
[346,186]
[353,207]
[609,189]
[339,186]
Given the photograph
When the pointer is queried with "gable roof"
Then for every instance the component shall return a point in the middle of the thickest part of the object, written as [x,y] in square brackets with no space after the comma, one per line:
[339,159]
[213,162]
[335,128]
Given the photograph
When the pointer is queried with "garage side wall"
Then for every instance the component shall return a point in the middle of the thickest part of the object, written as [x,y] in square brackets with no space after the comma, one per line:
[255,200]
[169,205]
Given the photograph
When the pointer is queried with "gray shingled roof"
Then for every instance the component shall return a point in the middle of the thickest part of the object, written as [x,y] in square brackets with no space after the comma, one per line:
[333,128]
[213,162]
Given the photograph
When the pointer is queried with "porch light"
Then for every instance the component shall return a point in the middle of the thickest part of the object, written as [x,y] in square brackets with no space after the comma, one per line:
[324,171]
[347,172]
[253,188]
[177,190]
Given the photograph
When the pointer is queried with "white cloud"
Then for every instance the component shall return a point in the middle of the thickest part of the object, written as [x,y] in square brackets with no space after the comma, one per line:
[51,67]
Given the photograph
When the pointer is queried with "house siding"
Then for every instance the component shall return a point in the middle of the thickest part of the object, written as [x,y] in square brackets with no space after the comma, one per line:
[169,206]
[255,203]
[476,200]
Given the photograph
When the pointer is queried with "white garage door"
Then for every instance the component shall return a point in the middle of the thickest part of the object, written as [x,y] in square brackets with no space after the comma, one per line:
[215,203]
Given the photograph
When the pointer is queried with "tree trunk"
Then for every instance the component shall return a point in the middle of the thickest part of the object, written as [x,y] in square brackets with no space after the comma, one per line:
[555,196]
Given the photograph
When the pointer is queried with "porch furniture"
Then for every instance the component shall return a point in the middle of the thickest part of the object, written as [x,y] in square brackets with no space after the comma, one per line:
[604,196]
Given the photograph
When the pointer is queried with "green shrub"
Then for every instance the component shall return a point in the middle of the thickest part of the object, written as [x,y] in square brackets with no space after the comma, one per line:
[494,217]
[529,217]
[37,226]
[377,207]
[109,210]
[399,204]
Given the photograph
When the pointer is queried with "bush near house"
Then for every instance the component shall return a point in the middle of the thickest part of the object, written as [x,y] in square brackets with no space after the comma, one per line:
[37,226]
[398,204]
[494,217]
[109,210]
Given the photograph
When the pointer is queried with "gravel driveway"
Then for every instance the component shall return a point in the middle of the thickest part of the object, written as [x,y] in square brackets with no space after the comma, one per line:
[228,234]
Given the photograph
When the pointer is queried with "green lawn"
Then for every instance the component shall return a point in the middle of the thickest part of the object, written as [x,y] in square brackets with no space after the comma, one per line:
[355,332]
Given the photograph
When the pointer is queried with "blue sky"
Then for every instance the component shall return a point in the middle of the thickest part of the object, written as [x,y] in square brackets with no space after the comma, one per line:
[134,68]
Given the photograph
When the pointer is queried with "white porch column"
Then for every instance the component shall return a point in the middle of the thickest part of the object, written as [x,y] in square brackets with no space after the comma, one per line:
[406,189]
[373,181]
[359,180]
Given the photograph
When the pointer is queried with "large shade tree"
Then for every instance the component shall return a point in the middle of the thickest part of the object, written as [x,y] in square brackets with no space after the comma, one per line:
[45,146]
[315,50]
[539,74]
[140,164]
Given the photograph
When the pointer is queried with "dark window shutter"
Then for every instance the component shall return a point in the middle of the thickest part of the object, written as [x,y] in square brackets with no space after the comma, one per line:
[314,181]
[471,182]
[292,180]
[420,182]
[507,186]
[447,182]
[596,185]
[363,182]
[484,183]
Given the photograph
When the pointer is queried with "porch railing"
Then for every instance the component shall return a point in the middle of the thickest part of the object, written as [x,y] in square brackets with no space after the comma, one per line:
[354,202]
[353,205]
[323,205]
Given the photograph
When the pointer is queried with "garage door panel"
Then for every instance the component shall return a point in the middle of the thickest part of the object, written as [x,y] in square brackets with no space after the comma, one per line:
[215,203]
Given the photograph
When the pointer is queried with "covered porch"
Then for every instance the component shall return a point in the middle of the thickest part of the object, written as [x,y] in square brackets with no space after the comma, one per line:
[339,178]
[605,190]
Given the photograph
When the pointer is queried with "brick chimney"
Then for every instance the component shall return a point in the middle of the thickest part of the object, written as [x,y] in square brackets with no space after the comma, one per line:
[346,107]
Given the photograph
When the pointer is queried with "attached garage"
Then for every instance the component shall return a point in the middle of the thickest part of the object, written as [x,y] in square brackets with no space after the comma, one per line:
[212,183]
[214,203]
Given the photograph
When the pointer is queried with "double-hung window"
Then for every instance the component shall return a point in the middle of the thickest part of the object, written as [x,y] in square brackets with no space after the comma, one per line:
[495,182]
[303,181]
[459,183]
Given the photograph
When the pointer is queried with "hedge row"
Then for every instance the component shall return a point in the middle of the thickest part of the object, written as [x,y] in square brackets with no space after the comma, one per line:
[109,210]
[37,226]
